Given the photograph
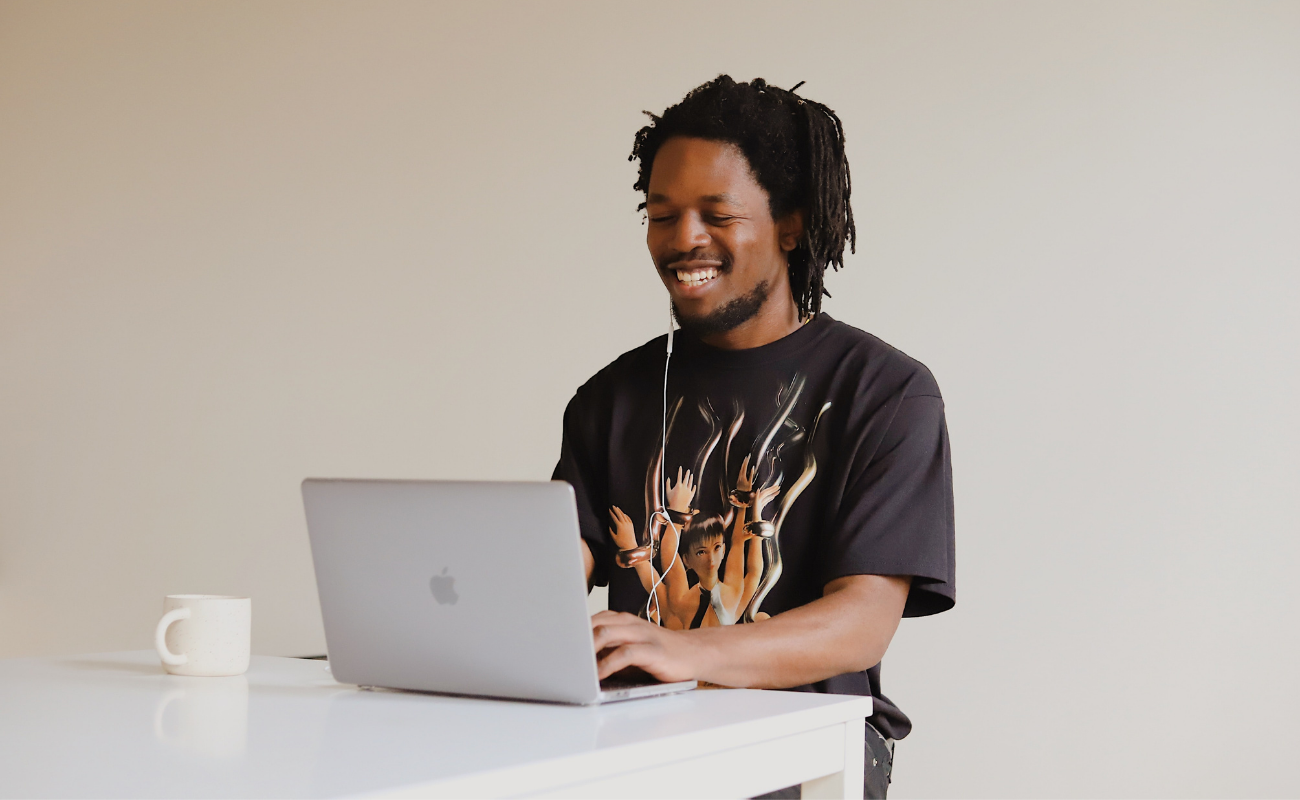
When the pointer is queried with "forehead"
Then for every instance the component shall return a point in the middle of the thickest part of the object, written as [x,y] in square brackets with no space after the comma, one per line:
[708,541]
[688,170]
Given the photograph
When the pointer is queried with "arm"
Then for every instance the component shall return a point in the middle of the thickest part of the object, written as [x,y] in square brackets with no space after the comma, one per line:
[624,535]
[680,496]
[733,576]
[742,576]
[848,629]
[675,583]
[753,572]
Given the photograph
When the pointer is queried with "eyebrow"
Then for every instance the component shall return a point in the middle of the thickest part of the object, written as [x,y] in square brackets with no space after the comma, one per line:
[708,198]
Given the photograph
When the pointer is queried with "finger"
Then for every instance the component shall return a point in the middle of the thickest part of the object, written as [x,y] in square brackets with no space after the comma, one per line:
[609,637]
[607,633]
[621,628]
[629,655]
[607,617]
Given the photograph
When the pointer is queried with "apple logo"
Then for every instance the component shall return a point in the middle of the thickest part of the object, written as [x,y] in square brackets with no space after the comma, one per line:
[443,590]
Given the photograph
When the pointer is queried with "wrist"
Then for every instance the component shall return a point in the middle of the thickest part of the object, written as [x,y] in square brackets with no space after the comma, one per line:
[681,517]
[707,654]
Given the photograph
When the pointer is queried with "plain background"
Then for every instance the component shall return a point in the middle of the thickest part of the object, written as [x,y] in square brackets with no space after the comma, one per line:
[245,243]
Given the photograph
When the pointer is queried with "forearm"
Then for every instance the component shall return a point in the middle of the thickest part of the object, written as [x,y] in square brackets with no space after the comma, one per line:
[847,630]
[649,577]
[753,570]
[735,572]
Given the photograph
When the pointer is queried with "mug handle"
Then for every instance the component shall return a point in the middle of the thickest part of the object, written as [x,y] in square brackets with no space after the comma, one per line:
[160,637]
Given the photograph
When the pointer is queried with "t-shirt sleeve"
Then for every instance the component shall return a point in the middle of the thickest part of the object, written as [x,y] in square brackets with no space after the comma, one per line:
[896,513]
[579,466]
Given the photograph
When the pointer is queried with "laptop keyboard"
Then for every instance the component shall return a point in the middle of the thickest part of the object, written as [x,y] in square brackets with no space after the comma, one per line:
[613,684]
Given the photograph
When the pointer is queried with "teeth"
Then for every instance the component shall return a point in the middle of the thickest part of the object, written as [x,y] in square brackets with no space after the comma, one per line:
[697,277]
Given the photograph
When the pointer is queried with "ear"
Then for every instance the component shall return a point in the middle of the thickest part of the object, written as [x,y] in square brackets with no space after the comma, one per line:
[789,230]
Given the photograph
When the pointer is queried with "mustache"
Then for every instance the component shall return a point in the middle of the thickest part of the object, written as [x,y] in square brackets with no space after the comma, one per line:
[667,260]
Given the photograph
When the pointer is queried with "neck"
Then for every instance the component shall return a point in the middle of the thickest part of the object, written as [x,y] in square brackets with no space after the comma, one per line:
[707,582]
[777,319]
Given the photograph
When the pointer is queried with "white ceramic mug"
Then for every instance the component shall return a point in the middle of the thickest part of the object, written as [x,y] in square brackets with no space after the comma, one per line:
[204,634]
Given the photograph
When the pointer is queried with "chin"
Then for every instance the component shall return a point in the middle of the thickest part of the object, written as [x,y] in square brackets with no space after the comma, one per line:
[725,316]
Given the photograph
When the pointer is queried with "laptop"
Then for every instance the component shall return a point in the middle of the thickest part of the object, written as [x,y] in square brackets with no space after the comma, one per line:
[457,587]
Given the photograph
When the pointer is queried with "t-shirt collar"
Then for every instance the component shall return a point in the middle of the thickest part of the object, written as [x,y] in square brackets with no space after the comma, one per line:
[789,345]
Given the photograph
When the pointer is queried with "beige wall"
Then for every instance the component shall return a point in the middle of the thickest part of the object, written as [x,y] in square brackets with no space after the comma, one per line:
[243,243]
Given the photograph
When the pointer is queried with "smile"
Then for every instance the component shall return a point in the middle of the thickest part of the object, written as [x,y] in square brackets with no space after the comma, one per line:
[696,277]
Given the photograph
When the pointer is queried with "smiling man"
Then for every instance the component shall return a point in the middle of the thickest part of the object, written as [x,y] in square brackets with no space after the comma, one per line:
[801,464]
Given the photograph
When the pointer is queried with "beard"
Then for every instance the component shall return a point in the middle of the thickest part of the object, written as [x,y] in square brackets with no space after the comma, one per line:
[729,316]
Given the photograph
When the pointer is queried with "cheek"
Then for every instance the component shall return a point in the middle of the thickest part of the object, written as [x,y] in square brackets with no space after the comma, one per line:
[740,237]
[747,252]
[659,239]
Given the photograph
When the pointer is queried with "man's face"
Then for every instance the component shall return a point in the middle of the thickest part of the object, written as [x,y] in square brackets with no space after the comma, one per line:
[712,236]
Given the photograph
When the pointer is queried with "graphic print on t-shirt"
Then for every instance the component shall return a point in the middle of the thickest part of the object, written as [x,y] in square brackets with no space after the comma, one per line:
[708,552]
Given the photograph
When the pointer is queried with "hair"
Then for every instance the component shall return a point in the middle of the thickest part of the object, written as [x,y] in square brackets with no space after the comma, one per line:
[699,532]
[795,150]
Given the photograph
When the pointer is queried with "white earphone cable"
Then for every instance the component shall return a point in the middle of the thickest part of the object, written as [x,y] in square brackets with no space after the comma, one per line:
[662,511]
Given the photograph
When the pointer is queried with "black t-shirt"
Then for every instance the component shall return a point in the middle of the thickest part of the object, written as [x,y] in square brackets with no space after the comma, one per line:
[845,439]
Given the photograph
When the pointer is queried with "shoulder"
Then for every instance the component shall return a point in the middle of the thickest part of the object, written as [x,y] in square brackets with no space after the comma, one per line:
[879,363]
[634,366]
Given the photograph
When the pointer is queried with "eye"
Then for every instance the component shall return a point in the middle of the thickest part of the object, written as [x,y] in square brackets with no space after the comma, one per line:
[659,219]
[719,219]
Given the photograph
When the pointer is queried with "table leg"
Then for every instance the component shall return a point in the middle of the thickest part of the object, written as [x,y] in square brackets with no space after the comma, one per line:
[848,782]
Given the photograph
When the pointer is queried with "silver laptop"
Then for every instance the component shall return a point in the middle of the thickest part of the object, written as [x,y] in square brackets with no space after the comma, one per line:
[457,587]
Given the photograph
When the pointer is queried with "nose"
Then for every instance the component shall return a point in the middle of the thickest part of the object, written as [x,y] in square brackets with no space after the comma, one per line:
[690,233]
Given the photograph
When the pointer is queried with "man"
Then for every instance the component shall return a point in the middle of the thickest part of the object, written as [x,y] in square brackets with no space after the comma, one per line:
[822,450]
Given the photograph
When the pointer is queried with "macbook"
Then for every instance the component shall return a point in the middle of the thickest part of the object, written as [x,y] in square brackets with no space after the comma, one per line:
[471,588]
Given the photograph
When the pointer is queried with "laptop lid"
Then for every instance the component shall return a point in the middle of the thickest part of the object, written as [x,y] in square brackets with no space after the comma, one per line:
[453,586]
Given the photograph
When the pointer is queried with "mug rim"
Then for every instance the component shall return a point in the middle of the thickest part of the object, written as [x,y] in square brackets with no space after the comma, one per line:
[207,597]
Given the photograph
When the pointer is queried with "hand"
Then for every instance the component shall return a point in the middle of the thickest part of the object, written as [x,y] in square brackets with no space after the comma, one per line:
[624,640]
[624,532]
[682,493]
[764,497]
[745,480]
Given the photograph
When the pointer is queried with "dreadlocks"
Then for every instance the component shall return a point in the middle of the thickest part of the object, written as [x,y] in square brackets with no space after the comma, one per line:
[795,149]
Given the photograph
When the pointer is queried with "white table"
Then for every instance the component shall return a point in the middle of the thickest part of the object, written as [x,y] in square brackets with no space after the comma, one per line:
[115,725]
